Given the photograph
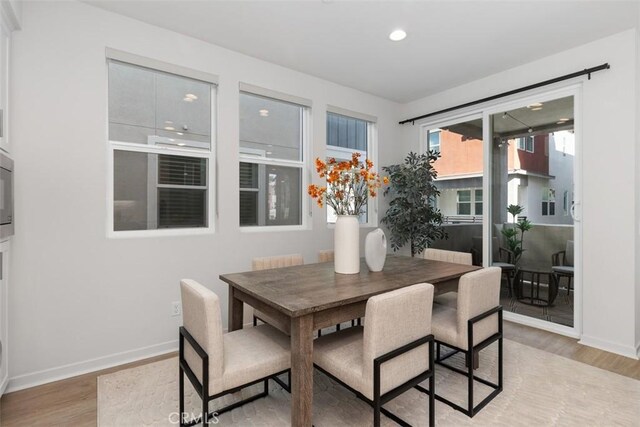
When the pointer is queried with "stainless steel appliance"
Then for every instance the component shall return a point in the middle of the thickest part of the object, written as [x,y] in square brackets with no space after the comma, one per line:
[6,196]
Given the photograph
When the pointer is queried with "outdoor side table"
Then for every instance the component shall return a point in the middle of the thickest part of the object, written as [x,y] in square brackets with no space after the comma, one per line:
[535,278]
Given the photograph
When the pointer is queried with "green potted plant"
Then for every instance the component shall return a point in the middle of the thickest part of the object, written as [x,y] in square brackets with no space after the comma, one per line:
[515,242]
[412,217]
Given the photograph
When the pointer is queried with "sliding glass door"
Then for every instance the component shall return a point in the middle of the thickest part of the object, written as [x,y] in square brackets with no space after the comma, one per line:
[508,195]
[533,149]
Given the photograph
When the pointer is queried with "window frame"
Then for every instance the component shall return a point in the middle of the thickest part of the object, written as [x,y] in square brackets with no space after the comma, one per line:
[428,140]
[371,154]
[549,202]
[303,164]
[473,201]
[208,154]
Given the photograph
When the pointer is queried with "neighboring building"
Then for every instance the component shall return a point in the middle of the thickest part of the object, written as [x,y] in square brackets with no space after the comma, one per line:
[539,175]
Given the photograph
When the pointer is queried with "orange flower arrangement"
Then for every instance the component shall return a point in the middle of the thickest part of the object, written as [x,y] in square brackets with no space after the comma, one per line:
[349,184]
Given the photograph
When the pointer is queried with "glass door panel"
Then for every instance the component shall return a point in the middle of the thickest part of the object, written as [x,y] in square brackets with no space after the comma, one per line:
[460,168]
[532,192]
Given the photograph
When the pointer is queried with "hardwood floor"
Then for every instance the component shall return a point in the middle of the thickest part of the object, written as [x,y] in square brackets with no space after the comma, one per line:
[73,401]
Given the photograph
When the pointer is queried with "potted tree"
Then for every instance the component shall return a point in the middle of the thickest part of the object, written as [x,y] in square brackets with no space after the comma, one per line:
[515,242]
[412,217]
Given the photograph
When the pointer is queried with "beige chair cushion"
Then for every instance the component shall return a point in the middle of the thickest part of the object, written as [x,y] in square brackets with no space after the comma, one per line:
[393,319]
[201,318]
[266,263]
[478,292]
[325,256]
[236,358]
[449,299]
[276,262]
[253,353]
[448,256]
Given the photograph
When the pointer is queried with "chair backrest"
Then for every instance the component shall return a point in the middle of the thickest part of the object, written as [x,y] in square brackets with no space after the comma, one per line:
[448,256]
[476,244]
[325,255]
[394,319]
[478,292]
[202,319]
[279,261]
[568,256]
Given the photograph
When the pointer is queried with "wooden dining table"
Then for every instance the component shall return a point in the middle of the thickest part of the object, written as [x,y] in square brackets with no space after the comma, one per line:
[302,299]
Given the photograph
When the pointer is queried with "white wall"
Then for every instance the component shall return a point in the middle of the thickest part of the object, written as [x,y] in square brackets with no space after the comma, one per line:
[78,299]
[609,166]
[637,181]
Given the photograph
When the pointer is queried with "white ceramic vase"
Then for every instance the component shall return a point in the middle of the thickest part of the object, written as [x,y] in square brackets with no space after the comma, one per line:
[375,250]
[346,245]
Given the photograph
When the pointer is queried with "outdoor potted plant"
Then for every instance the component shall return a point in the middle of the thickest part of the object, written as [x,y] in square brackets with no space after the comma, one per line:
[514,242]
[412,217]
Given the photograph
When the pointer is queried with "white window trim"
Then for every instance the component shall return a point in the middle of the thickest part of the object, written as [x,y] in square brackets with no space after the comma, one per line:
[371,154]
[212,172]
[250,157]
[426,148]
[472,202]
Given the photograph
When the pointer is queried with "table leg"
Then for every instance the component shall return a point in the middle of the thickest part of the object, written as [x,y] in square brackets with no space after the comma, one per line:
[236,311]
[302,370]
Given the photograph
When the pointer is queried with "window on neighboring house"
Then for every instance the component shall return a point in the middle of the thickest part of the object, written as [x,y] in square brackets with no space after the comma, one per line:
[160,127]
[433,140]
[469,202]
[464,202]
[272,140]
[347,135]
[548,202]
[477,202]
[526,143]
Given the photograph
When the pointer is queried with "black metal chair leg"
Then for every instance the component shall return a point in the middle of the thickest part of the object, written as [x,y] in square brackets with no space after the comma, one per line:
[470,385]
[432,388]
[181,382]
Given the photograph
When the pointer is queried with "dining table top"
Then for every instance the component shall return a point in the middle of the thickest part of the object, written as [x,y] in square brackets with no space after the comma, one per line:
[303,289]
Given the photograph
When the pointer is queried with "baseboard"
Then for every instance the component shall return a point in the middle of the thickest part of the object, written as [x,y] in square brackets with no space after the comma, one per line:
[3,384]
[45,376]
[33,379]
[540,324]
[611,347]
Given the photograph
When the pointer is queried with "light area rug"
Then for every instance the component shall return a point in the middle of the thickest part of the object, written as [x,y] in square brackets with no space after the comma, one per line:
[540,389]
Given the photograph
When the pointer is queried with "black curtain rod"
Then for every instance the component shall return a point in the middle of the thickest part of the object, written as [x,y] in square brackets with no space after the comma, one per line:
[587,71]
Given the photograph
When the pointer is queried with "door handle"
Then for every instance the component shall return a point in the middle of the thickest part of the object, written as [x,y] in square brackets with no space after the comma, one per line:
[572,211]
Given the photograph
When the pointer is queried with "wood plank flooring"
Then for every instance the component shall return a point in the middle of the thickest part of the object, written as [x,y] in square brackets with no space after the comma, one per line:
[72,402]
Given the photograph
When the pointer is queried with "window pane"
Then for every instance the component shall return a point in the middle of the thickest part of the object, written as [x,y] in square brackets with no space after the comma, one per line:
[464,196]
[552,208]
[150,193]
[545,208]
[478,208]
[180,170]
[270,195]
[152,107]
[464,208]
[270,128]
[434,140]
[346,132]
[182,208]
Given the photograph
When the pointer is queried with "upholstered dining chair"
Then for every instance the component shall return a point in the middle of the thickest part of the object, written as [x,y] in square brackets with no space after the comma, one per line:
[392,353]
[217,364]
[325,255]
[455,257]
[562,264]
[265,263]
[471,327]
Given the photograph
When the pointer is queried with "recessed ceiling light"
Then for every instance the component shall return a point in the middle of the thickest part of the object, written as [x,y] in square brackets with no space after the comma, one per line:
[563,120]
[535,105]
[181,144]
[264,113]
[397,35]
[185,99]
[536,109]
[169,128]
[191,96]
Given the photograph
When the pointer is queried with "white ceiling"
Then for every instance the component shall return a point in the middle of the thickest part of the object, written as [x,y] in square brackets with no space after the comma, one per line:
[448,44]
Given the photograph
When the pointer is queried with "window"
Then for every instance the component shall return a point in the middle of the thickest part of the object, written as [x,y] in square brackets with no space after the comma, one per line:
[526,143]
[433,140]
[160,128]
[478,202]
[469,202]
[347,135]
[464,202]
[548,202]
[566,203]
[272,140]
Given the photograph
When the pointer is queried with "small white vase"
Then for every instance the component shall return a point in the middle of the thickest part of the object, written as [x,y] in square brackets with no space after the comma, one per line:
[346,245]
[375,250]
